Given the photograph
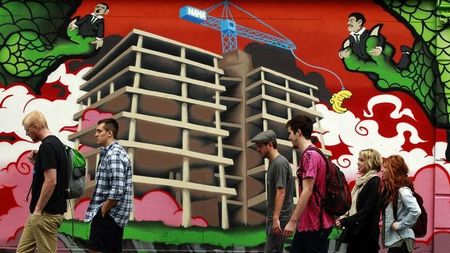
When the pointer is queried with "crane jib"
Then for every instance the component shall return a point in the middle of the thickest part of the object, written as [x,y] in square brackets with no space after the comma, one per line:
[231,30]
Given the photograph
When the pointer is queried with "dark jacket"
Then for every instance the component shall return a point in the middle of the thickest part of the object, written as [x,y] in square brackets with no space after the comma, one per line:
[89,29]
[359,47]
[363,226]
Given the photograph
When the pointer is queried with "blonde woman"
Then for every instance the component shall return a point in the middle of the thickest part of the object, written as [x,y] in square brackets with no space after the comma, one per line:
[361,221]
[398,235]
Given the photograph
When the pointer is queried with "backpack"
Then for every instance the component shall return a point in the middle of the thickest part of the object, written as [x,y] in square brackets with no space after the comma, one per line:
[76,169]
[337,200]
[420,228]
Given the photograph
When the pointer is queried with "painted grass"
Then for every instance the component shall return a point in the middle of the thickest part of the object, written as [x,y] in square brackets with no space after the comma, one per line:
[157,232]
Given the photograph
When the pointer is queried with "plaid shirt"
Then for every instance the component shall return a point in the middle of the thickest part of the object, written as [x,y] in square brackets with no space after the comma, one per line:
[113,177]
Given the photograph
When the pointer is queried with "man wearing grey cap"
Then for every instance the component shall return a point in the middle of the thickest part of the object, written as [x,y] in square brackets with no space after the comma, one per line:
[279,189]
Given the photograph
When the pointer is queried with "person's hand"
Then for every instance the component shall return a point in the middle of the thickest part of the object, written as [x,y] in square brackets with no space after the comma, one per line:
[394,226]
[338,221]
[37,212]
[344,53]
[98,44]
[375,51]
[289,229]
[276,227]
[103,210]
[72,25]
[32,156]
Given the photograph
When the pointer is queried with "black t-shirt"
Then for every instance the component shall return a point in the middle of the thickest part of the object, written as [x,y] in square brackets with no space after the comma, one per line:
[51,154]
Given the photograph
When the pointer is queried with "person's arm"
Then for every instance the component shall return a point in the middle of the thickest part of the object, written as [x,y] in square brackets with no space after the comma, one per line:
[47,189]
[410,203]
[305,195]
[381,41]
[117,174]
[82,20]
[100,30]
[108,204]
[378,49]
[371,202]
[77,22]
[99,37]
[279,199]
[345,51]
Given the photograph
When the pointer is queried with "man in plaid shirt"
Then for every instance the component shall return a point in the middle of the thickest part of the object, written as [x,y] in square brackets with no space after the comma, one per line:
[110,206]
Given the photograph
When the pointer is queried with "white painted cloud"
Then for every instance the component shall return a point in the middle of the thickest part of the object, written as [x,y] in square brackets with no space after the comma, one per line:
[391,99]
[363,133]
[17,102]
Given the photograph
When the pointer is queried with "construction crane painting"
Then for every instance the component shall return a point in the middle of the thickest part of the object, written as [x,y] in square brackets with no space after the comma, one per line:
[230,31]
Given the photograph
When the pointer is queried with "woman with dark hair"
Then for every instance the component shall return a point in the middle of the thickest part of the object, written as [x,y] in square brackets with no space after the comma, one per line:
[361,221]
[398,235]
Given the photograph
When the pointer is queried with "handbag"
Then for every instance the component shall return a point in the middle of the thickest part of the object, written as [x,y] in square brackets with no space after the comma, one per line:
[344,235]
[340,235]
[335,233]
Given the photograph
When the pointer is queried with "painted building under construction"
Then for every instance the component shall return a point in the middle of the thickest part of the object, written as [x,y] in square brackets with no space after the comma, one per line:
[186,116]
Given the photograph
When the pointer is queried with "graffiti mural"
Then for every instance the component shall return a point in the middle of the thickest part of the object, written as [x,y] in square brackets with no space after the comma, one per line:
[191,82]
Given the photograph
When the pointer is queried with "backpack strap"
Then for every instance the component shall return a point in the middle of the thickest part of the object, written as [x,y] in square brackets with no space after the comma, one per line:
[68,168]
[29,191]
[312,147]
[322,198]
[395,208]
[394,203]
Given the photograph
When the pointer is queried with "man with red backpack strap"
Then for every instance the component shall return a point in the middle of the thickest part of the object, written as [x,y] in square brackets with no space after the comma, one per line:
[310,222]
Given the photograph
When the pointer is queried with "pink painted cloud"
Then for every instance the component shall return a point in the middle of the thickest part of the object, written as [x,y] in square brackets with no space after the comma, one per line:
[159,205]
[81,208]
[156,205]
[440,204]
[89,118]
[15,180]
[92,116]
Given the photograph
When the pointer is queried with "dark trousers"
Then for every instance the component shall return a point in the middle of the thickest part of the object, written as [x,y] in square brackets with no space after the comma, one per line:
[402,249]
[311,242]
[362,243]
[105,235]
[274,243]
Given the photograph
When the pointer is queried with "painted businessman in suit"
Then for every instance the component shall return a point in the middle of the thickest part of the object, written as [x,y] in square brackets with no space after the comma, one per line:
[358,37]
[92,25]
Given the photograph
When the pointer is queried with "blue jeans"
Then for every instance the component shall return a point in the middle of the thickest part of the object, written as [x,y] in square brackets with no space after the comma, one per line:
[311,242]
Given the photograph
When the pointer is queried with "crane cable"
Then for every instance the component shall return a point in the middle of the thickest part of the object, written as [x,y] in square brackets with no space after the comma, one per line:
[338,98]
[260,21]
[213,7]
[318,67]
[292,51]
